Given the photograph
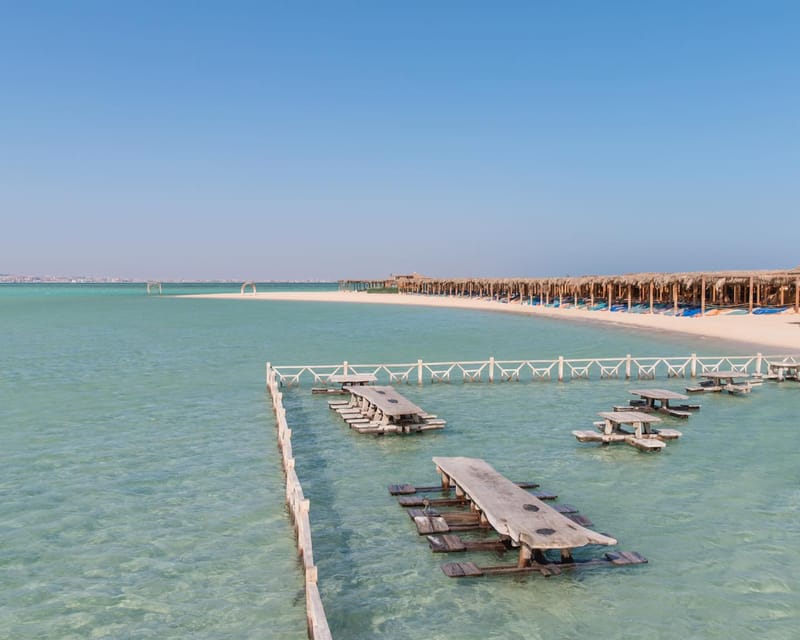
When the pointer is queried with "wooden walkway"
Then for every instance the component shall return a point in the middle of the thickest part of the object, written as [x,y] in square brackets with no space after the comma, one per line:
[522,521]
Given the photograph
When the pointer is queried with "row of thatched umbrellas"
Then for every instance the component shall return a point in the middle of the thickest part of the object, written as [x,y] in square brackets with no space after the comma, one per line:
[725,289]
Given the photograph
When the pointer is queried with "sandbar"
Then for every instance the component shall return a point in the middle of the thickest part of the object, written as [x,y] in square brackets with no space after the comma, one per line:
[778,333]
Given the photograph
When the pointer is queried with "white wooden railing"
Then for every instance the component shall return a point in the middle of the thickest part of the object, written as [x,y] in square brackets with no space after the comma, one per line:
[299,507]
[561,369]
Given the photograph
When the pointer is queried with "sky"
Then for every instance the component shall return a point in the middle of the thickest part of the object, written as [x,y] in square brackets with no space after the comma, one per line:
[324,140]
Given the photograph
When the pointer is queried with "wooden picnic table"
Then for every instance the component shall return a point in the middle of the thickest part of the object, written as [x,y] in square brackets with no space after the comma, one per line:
[731,381]
[614,420]
[785,370]
[387,400]
[659,399]
[644,437]
[379,409]
[514,512]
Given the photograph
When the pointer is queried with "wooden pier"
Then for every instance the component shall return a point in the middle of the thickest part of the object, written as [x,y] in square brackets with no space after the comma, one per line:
[380,410]
[521,522]
[644,437]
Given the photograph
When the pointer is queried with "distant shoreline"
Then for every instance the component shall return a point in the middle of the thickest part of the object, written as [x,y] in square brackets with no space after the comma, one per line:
[780,332]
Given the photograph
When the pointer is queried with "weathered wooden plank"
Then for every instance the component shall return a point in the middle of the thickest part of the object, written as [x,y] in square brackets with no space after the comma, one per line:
[621,558]
[613,558]
[668,434]
[461,569]
[451,543]
[675,413]
[426,525]
[446,543]
[401,489]
[646,444]
[514,512]
[416,513]
[437,488]
[581,520]
[418,501]
[658,394]
[387,399]
[565,508]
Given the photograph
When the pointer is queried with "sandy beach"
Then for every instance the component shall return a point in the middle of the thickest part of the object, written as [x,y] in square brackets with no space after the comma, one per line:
[778,333]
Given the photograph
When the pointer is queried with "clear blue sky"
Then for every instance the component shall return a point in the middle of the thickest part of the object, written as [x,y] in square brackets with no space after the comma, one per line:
[295,140]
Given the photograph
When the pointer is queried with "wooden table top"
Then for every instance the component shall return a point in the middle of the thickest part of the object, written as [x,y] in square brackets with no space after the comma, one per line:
[514,512]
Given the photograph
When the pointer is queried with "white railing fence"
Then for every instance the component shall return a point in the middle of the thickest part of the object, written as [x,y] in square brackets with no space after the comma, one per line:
[561,369]
[299,507]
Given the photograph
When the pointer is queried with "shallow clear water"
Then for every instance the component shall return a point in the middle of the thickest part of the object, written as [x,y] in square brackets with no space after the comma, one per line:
[141,493]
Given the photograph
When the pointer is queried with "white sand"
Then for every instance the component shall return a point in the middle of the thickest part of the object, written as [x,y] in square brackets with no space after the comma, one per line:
[778,333]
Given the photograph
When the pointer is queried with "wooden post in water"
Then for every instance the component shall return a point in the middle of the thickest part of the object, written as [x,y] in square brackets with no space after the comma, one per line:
[694,365]
[419,371]
[561,368]
[758,362]
[345,367]
[491,369]
[628,367]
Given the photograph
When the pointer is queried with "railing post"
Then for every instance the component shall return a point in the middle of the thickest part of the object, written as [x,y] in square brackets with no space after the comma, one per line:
[628,367]
[491,369]
[269,370]
[345,367]
[758,363]
[694,365]
[419,371]
[561,368]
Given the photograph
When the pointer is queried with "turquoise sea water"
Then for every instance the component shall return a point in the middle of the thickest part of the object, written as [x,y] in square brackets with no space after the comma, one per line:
[141,493]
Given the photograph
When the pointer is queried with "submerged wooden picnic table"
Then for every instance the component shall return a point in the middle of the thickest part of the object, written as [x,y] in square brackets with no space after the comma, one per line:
[715,381]
[785,370]
[659,399]
[644,436]
[513,512]
[381,409]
